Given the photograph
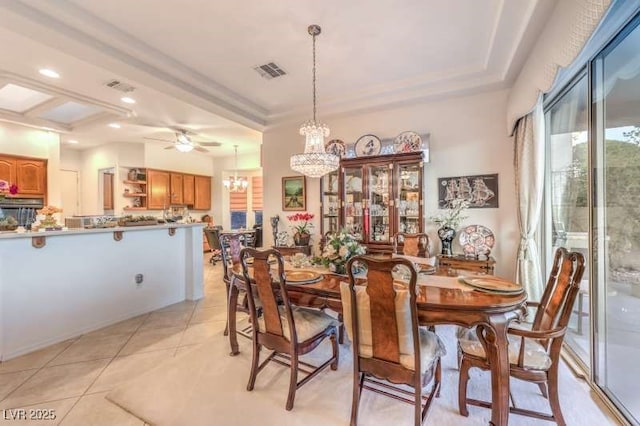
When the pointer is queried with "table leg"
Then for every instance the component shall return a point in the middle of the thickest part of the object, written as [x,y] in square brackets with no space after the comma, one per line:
[497,350]
[231,318]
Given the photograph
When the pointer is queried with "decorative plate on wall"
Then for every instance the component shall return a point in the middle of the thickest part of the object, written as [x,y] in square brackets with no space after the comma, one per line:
[368,145]
[407,142]
[336,147]
[476,240]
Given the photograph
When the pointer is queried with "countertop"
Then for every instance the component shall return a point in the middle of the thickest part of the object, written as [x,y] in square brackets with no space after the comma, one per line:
[12,234]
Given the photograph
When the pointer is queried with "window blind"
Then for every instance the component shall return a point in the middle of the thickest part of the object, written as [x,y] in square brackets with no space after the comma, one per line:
[238,201]
[256,188]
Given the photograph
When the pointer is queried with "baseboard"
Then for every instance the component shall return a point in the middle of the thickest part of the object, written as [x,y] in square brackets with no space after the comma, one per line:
[84,330]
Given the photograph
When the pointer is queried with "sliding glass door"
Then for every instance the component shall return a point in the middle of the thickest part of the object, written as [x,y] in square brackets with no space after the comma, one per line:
[616,218]
[567,121]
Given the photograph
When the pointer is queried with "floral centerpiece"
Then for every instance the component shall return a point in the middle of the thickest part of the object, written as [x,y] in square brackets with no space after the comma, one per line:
[302,230]
[7,189]
[338,249]
[448,221]
[49,221]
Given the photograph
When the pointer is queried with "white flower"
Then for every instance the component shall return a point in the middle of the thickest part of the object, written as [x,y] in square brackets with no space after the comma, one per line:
[344,251]
[329,250]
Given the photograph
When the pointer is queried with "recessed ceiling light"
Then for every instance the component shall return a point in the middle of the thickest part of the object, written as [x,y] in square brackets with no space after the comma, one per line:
[49,73]
[114,125]
[128,100]
[72,141]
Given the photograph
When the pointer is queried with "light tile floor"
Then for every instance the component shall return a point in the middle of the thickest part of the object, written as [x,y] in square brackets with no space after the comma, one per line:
[72,377]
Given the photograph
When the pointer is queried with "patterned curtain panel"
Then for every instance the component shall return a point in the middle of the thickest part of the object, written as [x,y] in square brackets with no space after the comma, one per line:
[529,150]
[569,27]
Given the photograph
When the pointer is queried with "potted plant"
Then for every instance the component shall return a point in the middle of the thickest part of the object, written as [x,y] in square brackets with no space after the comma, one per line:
[448,221]
[302,230]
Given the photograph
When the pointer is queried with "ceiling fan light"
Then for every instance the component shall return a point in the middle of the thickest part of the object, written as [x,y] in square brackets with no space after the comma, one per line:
[184,147]
[183,139]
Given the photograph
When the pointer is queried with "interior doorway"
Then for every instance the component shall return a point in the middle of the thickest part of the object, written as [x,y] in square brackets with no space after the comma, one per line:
[70,193]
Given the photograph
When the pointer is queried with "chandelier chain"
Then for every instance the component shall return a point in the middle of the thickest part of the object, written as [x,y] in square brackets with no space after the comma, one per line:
[314,77]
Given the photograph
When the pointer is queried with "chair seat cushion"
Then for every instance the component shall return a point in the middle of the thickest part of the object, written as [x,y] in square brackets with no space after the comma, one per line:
[535,355]
[308,322]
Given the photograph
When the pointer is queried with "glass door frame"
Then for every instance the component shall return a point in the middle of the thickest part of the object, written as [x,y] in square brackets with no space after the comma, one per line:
[597,284]
[546,216]
[597,139]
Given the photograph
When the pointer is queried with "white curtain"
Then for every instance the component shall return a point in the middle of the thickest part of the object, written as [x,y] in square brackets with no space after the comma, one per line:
[529,149]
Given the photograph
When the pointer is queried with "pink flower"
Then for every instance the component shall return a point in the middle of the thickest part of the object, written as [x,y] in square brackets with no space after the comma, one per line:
[13,189]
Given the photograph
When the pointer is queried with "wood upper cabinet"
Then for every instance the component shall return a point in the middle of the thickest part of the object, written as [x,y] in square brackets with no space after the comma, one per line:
[158,189]
[202,192]
[8,169]
[188,190]
[176,188]
[31,176]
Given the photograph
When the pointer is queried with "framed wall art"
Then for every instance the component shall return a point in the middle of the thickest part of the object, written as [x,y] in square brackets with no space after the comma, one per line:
[481,191]
[294,193]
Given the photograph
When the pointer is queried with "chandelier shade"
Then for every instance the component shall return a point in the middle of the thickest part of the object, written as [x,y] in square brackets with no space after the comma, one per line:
[315,162]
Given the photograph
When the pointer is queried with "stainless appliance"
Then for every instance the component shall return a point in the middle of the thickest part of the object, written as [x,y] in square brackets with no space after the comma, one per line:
[21,209]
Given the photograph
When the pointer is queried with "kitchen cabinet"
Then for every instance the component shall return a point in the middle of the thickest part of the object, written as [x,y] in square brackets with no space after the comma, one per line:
[158,189]
[188,189]
[29,174]
[8,169]
[202,193]
[374,198]
[176,186]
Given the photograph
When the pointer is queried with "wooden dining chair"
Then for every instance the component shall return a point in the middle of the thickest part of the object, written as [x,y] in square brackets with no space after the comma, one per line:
[534,355]
[411,244]
[287,330]
[387,342]
[230,246]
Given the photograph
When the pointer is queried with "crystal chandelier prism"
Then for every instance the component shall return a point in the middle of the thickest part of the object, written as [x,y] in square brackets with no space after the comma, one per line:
[235,183]
[315,162]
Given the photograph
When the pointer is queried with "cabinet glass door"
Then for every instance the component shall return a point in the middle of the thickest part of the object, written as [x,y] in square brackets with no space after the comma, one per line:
[330,203]
[353,201]
[380,203]
[409,198]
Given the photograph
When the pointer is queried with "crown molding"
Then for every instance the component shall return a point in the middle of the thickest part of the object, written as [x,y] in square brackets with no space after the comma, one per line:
[164,73]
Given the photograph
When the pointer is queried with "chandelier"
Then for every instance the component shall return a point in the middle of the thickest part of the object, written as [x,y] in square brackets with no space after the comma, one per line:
[315,162]
[235,183]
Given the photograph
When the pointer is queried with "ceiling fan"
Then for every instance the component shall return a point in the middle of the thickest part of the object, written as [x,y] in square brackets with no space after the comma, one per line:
[184,143]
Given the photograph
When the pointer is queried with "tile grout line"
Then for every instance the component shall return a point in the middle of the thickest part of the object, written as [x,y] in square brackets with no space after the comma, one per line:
[103,369]
[193,311]
[71,341]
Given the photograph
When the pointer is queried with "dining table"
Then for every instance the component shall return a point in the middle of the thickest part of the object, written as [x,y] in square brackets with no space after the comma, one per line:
[442,298]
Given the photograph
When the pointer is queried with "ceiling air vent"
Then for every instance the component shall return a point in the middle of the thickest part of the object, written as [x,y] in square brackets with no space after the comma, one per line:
[270,70]
[121,86]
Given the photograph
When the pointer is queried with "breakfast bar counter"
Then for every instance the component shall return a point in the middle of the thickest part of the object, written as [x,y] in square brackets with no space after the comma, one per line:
[55,285]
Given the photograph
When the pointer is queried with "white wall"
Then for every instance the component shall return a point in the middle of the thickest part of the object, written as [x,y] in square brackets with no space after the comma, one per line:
[70,159]
[156,157]
[467,138]
[28,142]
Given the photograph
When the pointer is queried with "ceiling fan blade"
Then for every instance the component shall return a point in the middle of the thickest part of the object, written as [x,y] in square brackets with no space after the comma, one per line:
[200,149]
[158,139]
[209,143]
[170,147]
